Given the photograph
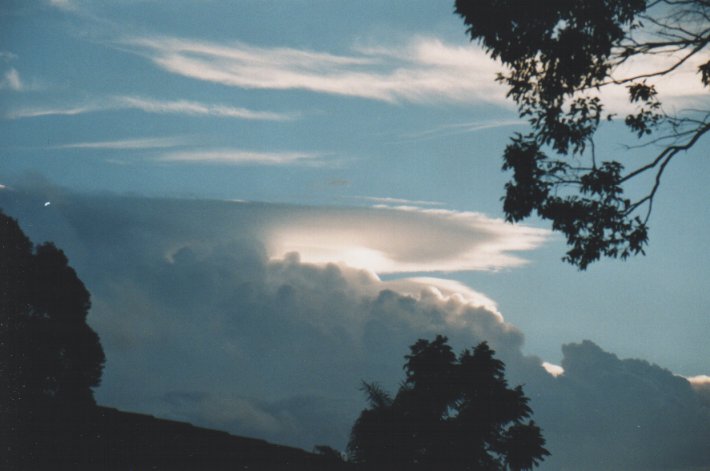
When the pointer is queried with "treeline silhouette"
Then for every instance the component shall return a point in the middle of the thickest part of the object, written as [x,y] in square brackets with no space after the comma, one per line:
[455,412]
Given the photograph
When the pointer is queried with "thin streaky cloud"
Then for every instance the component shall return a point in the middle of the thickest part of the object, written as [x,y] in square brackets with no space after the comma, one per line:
[243,157]
[66,5]
[398,201]
[460,128]
[143,143]
[199,109]
[149,105]
[38,112]
[422,70]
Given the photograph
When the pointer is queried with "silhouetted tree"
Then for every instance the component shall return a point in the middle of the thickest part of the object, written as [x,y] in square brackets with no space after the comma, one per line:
[50,359]
[450,413]
[558,55]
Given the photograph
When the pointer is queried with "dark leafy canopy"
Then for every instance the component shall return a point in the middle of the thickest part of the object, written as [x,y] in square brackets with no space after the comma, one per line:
[49,356]
[450,413]
[558,55]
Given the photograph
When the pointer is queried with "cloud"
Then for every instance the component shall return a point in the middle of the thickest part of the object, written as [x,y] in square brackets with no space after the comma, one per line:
[243,157]
[405,239]
[554,370]
[143,143]
[422,70]
[641,415]
[386,200]
[149,105]
[204,322]
[52,111]
[11,81]
[681,88]
[444,290]
[196,276]
[699,380]
[193,108]
[461,128]
[62,4]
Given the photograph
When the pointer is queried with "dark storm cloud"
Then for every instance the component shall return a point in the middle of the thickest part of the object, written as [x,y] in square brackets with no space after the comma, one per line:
[613,414]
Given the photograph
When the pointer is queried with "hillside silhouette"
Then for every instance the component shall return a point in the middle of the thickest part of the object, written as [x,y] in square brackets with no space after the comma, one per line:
[103,438]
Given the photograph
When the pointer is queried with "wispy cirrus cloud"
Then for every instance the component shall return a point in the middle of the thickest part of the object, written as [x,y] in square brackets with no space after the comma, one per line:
[35,112]
[62,4]
[127,144]
[423,70]
[461,128]
[194,108]
[243,157]
[150,105]
[386,200]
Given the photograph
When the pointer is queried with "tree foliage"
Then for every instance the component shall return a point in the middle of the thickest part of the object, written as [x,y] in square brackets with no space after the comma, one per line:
[49,356]
[559,56]
[451,412]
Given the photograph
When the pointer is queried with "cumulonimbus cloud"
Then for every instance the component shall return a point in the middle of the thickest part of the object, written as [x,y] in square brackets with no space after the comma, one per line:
[206,325]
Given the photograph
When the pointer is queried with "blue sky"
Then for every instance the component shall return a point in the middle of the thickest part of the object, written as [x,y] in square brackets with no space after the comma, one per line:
[378,126]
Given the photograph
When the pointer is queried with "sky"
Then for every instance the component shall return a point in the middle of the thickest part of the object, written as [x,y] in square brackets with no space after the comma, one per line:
[270,200]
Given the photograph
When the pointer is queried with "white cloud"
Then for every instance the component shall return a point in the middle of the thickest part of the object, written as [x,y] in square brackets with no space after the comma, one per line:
[405,240]
[198,109]
[444,290]
[423,70]
[150,105]
[144,143]
[52,111]
[554,370]
[243,157]
[62,4]
[397,201]
[699,380]
[11,80]
[678,86]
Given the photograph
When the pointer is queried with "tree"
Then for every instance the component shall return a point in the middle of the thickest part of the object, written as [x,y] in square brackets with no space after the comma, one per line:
[560,55]
[50,359]
[450,413]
